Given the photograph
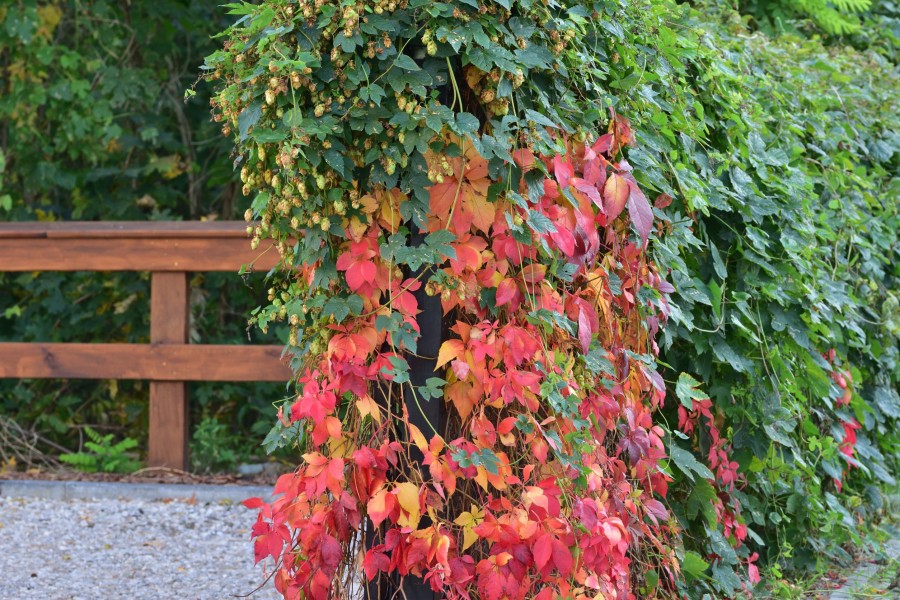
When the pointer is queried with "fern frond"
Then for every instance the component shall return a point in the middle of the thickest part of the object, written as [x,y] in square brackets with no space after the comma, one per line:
[852,6]
[836,23]
[94,436]
[836,17]
[126,444]
[81,461]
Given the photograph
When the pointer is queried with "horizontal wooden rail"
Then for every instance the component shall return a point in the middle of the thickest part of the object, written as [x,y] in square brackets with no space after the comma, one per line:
[153,246]
[170,250]
[157,362]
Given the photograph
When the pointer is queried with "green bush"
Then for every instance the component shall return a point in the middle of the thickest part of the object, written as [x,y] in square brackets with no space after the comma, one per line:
[93,125]
[782,156]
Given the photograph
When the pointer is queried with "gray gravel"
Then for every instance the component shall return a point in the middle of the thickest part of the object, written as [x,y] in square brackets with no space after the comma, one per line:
[129,549]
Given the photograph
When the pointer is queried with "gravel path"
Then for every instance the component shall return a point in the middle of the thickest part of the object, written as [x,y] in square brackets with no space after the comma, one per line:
[126,549]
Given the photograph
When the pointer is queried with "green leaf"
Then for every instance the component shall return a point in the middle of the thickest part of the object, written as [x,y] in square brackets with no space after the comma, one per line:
[466,124]
[248,118]
[335,159]
[688,464]
[686,391]
[405,62]
[693,565]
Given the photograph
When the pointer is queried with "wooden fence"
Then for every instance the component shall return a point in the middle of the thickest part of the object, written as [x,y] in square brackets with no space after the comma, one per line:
[169,250]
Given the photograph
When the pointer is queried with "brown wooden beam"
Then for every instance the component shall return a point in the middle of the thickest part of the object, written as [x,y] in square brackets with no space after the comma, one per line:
[176,254]
[170,362]
[169,423]
[123,229]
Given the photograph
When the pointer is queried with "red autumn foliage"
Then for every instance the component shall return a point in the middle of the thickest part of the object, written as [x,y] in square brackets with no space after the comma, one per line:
[547,482]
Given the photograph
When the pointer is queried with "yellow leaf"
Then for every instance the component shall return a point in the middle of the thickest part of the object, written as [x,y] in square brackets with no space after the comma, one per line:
[468,521]
[390,209]
[417,438]
[49,17]
[368,407]
[481,477]
[408,498]
[450,350]
[357,228]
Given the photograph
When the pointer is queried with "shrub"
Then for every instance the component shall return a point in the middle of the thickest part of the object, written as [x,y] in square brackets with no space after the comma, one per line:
[359,127]
[93,126]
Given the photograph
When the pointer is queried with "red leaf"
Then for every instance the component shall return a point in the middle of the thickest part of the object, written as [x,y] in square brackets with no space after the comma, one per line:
[563,170]
[562,557]
[639,209]
[506,291]
[331,553]
[603,144]
[375,562]
[253,502]
[543,550]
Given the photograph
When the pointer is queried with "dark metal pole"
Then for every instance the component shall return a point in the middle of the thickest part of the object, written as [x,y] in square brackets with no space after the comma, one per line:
[425,413]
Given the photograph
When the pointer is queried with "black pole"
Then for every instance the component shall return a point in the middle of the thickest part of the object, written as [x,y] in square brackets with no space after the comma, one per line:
[425,413]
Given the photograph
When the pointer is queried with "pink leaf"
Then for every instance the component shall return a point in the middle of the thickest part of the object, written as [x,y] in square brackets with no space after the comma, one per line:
[639,210]
[585,331]
[588,189]
[506,291]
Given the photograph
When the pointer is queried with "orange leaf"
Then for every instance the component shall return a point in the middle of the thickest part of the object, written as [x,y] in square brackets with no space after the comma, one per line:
[443,196]
[450,350]
[615,194]
[460,393]
[380,506]
[482,209]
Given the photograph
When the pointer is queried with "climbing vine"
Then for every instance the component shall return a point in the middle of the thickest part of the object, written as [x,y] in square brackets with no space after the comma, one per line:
[494,159]
[404,150]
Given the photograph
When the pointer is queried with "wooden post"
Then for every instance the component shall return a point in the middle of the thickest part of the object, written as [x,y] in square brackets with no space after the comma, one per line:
[169,305]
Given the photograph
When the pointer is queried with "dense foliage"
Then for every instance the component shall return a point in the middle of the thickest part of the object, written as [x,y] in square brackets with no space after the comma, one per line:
[605,432]
[780,243]
[832,16]
[93,126]
[779,156]
[360,134]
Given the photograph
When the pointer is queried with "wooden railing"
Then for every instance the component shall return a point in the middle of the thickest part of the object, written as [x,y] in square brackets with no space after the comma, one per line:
[169,250]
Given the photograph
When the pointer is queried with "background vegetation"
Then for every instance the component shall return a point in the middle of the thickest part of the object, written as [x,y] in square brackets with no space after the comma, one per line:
[773,126]
[94,126]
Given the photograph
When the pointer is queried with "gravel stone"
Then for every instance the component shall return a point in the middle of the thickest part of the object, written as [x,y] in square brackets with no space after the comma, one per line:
[135,549]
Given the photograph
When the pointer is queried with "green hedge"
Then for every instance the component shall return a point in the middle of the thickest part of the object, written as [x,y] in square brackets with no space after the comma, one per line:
[782,155]
[94,126]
